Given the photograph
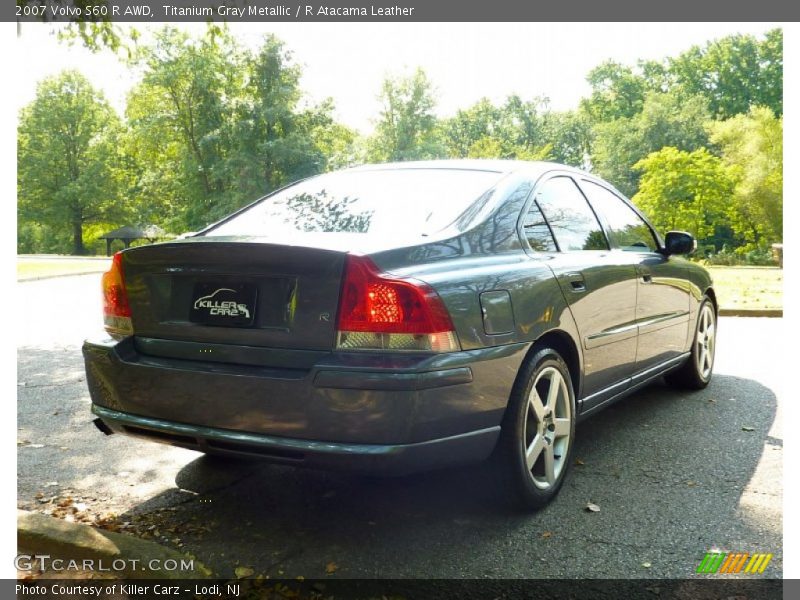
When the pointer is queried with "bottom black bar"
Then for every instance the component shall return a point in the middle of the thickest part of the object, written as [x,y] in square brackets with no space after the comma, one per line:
[705,588]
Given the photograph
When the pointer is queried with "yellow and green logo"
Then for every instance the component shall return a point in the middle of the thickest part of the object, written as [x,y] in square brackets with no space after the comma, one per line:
[734,562]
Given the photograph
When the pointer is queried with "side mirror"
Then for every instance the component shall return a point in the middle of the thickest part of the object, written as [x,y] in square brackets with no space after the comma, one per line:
[679,242]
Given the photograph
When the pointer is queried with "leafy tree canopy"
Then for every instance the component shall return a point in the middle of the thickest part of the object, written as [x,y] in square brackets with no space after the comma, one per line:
[688,191]
[68,171]
[752,147]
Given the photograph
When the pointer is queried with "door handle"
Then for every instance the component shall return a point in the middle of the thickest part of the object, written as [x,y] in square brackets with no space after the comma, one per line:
[578,286]
[576,282]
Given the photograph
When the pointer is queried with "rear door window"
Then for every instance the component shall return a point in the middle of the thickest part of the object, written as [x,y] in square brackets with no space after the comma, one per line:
[537,231]
[569,216]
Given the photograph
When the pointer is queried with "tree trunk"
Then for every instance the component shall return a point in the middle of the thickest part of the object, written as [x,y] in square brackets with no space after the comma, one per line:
[77,236]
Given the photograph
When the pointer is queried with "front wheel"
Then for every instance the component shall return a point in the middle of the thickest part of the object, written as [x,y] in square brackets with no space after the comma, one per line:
[696,372]
[538,430]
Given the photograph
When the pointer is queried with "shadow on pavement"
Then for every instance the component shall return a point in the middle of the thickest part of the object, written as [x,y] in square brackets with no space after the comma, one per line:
[667,468]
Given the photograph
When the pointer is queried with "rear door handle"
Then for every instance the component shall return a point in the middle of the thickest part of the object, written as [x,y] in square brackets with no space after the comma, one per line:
[576,281]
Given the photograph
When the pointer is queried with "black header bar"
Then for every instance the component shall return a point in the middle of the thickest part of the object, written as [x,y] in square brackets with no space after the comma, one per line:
[372,11]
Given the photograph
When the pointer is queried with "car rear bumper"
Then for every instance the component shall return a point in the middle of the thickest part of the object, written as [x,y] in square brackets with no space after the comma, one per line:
[395,459]
[349,410]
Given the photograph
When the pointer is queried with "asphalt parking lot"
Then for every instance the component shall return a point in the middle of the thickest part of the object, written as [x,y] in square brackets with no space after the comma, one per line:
[674,474]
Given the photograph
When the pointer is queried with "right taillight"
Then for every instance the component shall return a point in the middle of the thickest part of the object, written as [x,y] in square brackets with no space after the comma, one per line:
[116,310]
[380,312]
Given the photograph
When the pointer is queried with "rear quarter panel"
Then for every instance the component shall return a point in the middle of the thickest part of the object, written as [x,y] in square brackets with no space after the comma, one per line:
[488,258]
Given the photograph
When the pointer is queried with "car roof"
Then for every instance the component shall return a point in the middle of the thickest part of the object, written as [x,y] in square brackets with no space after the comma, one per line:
[505,167]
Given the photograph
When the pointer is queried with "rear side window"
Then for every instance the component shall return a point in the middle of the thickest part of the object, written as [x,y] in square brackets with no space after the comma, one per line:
[627,230]
[569,215]
[537,232]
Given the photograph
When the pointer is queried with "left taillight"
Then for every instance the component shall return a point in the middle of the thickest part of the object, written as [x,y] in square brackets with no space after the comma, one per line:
[381,312]
[116,309]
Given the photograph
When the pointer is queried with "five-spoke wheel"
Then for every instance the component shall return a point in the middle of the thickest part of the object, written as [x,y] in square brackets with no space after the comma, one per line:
[538,429]
[548,427]
[695,373]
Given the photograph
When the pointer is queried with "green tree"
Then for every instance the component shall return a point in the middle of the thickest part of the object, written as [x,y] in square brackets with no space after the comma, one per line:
[518,129]
[68,167]
[183,109]
[214,125]
[407,127]
[468,126]
[275,142]
[570,137]
[752,148]
[687,191]
[617,92]
[734,73]
[337,145]
[672,119]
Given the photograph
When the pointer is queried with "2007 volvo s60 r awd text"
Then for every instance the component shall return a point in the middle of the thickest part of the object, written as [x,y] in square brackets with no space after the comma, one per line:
[403,317]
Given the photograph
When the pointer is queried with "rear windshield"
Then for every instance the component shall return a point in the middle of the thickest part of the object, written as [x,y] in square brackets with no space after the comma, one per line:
[378,202]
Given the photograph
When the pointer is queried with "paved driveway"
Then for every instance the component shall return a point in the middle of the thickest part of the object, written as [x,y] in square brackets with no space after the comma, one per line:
[674,474]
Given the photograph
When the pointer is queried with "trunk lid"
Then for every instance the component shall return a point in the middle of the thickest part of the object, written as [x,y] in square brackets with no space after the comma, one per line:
[216,292]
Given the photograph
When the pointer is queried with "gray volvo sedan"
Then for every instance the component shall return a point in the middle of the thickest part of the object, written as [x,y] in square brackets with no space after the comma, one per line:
[403,317]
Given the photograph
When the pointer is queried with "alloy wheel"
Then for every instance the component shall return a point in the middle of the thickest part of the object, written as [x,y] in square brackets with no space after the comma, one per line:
[548,426]
[705,341]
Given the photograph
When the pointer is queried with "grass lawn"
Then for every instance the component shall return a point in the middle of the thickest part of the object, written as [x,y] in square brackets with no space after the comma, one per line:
[748,287]
[45,266]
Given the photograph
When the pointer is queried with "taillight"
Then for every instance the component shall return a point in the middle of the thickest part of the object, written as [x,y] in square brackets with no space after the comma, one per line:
[379,312]
[116,310]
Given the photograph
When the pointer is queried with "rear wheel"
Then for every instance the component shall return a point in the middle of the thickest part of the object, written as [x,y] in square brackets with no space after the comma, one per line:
[696,372]
[538,430]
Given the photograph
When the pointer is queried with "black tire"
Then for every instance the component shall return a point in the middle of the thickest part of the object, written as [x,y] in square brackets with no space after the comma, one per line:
[691,375]
[533,487]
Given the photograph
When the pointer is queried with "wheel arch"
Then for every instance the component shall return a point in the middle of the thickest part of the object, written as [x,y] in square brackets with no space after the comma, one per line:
[713,297]
[560,341]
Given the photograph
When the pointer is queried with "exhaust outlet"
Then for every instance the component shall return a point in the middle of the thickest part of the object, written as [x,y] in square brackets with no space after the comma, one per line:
[100,424]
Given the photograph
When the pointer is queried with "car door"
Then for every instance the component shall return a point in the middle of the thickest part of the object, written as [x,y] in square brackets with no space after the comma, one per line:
[663,293]
[598,284]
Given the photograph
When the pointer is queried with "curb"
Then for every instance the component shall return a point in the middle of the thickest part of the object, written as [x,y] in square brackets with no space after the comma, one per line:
[756,312]
[43,277]
[43,535]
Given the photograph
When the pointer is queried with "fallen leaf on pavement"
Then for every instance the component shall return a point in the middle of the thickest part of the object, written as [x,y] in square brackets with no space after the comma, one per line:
[242,572]
[591,507]
[547,534]
[747,428]
[647,565]
[331,567]
[579,462]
